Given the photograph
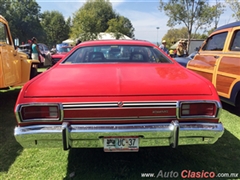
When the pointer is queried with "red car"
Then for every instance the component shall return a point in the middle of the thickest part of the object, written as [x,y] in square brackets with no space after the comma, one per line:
[118,95]
[60,53]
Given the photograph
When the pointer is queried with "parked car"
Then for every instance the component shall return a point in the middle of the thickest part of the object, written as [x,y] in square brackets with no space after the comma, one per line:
[184,60]
[15,68]
[61,51]
[45,60]
[218,61]
[139,98]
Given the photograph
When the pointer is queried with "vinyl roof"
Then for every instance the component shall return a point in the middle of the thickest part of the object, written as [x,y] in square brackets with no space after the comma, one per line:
[230,25]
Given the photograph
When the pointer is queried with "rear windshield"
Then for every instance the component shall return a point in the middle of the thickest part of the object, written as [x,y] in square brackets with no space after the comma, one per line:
[117,54]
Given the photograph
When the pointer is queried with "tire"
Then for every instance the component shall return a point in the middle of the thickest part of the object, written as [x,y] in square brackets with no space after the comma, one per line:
[237,104]
[33,72]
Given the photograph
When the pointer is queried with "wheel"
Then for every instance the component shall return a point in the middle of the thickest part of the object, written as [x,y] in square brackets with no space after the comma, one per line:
[237,103]
[33,72]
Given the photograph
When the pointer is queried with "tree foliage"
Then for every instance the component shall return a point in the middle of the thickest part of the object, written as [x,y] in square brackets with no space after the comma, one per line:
[235,7]
[217,9]
[23,18]
[97,16]
[193,14]
[55,27]
[174,35]
[120,25]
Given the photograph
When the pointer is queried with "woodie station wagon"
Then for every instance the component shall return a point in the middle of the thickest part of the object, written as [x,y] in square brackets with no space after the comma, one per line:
[218,61]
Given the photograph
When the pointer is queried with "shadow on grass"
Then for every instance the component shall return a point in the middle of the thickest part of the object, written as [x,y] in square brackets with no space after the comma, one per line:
[222,157]
[9,148]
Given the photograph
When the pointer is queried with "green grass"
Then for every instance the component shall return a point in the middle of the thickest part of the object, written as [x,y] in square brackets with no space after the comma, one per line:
[41,70]
[32,164]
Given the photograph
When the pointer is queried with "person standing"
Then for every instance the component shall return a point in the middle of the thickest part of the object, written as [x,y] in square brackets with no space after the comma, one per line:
[78,42]
[180,50]
[163,47]
[35,50]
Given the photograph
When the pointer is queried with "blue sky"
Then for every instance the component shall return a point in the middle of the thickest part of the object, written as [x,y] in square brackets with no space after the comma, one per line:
[143,14]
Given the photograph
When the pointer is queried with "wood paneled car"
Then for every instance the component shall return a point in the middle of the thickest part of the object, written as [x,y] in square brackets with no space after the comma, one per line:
[219,61]
[118,95]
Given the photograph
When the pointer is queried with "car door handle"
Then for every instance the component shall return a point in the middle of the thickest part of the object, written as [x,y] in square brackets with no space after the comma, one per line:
[216,57]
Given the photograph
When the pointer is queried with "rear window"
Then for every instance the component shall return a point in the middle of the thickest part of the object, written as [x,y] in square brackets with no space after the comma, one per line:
[117,54]
[235,44]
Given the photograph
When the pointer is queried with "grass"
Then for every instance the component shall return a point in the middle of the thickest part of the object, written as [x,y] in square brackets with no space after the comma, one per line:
[43,164]
[41,70]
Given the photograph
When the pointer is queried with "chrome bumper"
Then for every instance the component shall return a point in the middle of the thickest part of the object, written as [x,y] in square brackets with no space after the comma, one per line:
[91,136]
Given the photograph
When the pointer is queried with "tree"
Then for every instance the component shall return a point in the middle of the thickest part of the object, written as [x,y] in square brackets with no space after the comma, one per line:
[120,25]
[23,18]
[97,16]
[217,9]
[55,27]
[5,4]
[193,14]
[174,35]
[235,7]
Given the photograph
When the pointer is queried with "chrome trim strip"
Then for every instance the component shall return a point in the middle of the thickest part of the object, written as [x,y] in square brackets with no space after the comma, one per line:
[132,104]
[97,108]
[89,105]
[91,136]
[140,118]
[116,104]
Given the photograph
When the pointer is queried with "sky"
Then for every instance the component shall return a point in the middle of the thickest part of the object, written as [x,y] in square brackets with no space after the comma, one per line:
[150,24]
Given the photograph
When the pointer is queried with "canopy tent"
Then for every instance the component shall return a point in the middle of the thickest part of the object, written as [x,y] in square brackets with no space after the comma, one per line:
[69,41]
[100,36]
[105,36]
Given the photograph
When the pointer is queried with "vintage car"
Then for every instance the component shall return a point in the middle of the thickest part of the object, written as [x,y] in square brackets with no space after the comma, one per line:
[15,67]
[218,61]
[139,97]
[61,51]
[45,58]
[184,60]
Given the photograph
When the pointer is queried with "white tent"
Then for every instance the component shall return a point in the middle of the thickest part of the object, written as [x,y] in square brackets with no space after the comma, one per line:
[105,36]
[100,36]
[69,41]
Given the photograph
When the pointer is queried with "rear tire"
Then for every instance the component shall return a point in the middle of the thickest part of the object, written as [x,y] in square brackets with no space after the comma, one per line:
[237,104]
[33,72]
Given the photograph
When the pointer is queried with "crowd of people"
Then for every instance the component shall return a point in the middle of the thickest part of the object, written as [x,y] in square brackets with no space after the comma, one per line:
[35,53]
[180,51]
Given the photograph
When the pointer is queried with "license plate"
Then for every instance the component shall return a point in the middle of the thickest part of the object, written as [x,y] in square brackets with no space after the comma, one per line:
[121,144]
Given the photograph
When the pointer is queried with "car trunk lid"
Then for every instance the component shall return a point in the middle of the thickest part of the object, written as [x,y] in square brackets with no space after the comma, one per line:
[86,80]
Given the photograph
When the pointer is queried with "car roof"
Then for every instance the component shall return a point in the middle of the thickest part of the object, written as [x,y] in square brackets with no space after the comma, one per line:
[24,45]
[67,46]
[230,25]
[116,42]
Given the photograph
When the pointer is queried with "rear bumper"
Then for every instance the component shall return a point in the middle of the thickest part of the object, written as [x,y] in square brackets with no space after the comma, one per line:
[91,136]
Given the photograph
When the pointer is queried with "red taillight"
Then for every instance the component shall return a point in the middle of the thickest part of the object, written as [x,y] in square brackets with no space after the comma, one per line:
[40,112]
[198,109]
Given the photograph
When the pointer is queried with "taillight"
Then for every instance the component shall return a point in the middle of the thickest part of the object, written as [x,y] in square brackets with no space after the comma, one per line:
[198,109]
[40,112]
